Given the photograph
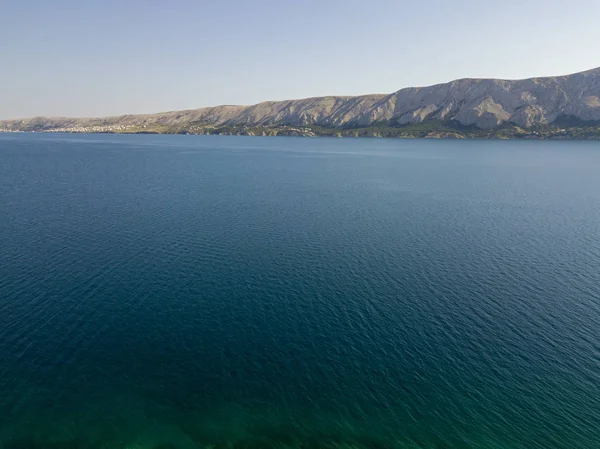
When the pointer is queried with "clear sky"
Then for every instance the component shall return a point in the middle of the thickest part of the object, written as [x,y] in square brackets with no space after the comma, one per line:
[103,57]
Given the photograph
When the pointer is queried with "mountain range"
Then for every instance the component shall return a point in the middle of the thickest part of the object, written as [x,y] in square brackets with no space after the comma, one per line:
[560,106]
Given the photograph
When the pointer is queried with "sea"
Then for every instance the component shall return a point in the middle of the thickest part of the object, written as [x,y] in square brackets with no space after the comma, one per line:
[180,292]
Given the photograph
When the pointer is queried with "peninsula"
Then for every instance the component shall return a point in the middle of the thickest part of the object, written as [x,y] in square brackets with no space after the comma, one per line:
[561,107]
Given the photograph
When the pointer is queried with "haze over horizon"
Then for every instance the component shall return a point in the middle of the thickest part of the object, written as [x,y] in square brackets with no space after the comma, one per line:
[74,59]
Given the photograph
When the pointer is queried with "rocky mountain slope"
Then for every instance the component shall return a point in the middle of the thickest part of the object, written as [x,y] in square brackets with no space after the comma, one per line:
[480,104]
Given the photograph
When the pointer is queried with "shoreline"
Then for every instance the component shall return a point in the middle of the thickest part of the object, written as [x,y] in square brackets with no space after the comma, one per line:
[341,134]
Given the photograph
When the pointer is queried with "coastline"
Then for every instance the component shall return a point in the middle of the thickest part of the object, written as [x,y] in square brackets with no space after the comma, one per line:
[392,133]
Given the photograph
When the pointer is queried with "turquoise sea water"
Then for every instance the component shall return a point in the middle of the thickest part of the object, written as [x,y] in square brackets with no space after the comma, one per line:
[231,292]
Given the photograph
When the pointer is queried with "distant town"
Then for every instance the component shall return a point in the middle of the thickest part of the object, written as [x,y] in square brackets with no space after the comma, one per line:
[82,129]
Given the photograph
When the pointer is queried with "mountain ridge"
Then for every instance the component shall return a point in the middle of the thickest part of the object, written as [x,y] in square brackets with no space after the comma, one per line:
[483,105]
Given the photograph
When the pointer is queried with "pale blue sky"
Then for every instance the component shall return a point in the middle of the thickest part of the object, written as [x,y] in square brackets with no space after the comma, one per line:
[91,58]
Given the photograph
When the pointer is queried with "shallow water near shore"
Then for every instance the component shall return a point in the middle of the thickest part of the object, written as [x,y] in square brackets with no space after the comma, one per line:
[209,291]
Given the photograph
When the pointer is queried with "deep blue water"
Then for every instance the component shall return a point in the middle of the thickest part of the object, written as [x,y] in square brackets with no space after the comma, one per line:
[199,291]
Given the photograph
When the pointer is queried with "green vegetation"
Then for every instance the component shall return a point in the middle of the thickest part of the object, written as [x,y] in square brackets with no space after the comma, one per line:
[564,128]
[423,130]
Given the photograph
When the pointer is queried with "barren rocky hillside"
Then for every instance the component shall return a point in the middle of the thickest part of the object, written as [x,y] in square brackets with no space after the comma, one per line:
[484,104]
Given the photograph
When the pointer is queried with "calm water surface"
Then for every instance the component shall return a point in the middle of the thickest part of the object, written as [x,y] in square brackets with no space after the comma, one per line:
[187,292]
